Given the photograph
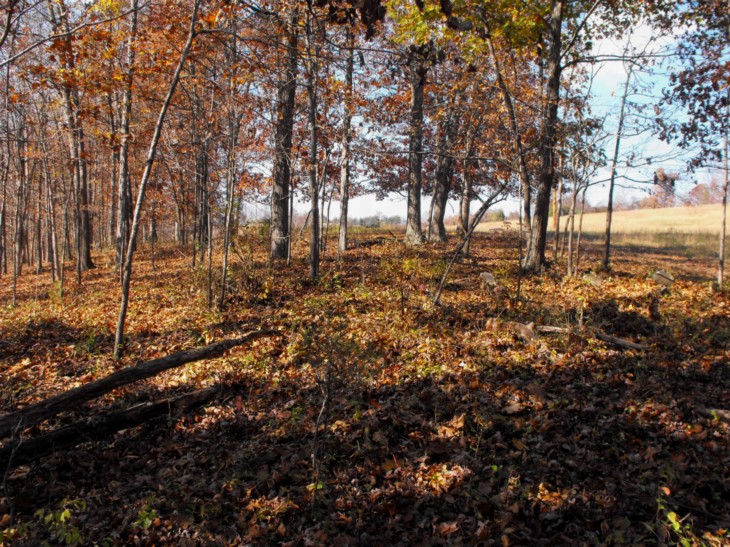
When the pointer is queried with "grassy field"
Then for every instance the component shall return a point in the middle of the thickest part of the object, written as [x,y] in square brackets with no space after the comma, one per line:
[686,230]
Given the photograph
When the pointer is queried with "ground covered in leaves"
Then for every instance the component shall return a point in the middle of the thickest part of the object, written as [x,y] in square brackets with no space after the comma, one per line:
[379,418]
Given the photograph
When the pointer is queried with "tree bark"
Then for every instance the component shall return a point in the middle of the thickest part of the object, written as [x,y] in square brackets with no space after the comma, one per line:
[417,72]
[234,126]
[725,188]
[281,192]
[77,144]
[124,212]
[536,244]
[313,160]
[346,139]
[444,177]
[557,208]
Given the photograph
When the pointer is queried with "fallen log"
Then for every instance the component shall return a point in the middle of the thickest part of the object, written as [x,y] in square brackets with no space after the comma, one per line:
[101,426]
[628,344]
[715,414]
[38,412]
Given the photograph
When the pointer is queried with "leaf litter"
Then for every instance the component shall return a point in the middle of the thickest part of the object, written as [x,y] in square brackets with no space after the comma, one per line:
[381,419]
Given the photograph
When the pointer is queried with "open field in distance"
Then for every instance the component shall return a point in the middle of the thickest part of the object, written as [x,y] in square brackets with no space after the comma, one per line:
[703,218]
[690,231]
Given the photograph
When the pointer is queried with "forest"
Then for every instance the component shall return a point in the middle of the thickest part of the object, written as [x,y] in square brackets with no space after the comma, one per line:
[204,340]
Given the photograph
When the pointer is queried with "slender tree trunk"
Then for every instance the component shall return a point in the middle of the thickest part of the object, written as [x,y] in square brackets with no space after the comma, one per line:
[322,185]
[466,192]
[59,13]
[124,188]
[210,260]
[571,225]
[312,83]
[86,235]
[538,237]
[524,174]
[38,250]
[3,221]
[55,269]
[62,265]
[444,176]
[18,232]
[234,125]
[203,182]
[418,71]
[346,139]
[580,230]
[114,176]
[723,228]
[145,180]
[557,207]
[281,193]
[614,163]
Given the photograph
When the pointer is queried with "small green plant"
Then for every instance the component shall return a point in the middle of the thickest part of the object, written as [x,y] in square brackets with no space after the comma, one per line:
[147,515]
[669,523]
[59,523]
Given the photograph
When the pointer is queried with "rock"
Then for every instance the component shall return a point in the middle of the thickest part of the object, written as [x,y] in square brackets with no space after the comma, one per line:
[525,331]
[664,278]
[488,279]
[593,279]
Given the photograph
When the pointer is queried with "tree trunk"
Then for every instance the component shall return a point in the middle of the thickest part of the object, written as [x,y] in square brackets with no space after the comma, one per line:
[77,143]
[444,176]
[234,126]
[614,163]
[18,231]
[124,189]
[524,174]
[418,71]
[536,246]
[312,71]
[281,192]
[580,230]
[346,139]
[571,225]
[3,218]
[38,412]
[723,227]
[114,176]
[557,207]
[152,152]
[101,426]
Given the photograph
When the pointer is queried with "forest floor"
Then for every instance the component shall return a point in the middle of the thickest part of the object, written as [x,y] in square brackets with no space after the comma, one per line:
[379,418]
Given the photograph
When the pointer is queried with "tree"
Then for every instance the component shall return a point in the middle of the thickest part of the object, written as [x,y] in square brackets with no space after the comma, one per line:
[284,116]
[700,86]
[151,153]
[345,160]
[124,191]
[614,162]
[417,68]
[67,83]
